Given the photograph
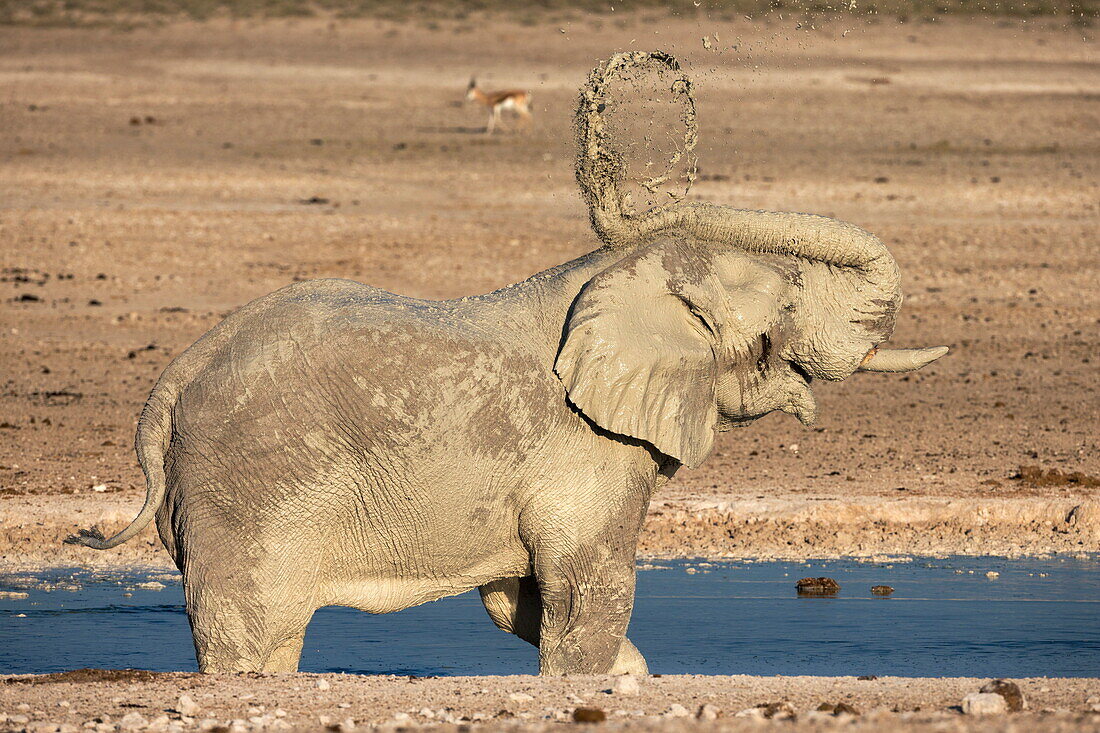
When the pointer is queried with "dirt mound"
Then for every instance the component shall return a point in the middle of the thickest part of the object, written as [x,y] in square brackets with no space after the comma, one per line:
[1036,477]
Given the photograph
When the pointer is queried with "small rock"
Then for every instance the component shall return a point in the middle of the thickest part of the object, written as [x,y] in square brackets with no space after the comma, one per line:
[1010,691]
[160,723]
[521,697]
[132,721]
[676,710]
[41,726]
[817,586]
[867,677]
[11,595]
[589,715]
[323,684]
[769,711]
[19,719]
[708,712]
[881,590]
[984,703]
[186,705]
[626,685]
[992,574]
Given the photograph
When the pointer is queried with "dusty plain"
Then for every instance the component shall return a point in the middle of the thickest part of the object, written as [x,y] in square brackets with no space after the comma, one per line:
[152,181]
[155,180]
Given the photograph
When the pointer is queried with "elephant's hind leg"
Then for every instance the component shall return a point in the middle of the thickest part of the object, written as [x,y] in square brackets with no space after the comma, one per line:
[515,606]
[243,628]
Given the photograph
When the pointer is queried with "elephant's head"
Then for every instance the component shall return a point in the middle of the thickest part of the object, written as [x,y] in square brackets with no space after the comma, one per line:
[683,337]
[716,316]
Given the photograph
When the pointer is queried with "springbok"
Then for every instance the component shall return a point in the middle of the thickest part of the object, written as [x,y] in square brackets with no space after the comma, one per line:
[514,100]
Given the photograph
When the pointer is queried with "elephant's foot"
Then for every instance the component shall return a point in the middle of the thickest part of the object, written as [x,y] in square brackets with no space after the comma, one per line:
[630,660]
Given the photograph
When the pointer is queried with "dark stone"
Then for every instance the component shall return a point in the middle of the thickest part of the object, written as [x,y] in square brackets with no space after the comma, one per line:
[1010,691]
[882,590]
[817,587]
[840,708]
[589,715]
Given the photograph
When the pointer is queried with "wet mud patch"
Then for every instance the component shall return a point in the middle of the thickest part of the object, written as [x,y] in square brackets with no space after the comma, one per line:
[1036,477]
[90,676]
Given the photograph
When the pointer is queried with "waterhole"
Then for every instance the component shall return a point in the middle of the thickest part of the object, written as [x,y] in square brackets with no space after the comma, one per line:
[946,617]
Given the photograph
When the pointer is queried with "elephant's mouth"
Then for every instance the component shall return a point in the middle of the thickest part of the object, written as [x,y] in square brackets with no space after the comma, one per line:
[800,400]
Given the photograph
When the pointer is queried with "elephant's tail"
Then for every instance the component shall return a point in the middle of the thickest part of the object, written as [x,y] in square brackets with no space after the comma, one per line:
[153,434]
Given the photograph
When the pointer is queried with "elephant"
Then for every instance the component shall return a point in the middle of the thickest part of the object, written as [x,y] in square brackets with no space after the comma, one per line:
[336,444]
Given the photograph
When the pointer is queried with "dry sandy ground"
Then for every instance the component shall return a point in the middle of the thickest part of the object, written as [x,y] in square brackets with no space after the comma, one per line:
[531,703]
[153,181]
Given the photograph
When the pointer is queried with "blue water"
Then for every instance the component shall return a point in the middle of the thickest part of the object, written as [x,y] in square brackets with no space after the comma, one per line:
[725,618]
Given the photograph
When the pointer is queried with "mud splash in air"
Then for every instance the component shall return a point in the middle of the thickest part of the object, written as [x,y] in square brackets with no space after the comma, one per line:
[627,112]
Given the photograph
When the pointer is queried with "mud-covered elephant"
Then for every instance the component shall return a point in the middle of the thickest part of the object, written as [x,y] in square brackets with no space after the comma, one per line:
[336,444]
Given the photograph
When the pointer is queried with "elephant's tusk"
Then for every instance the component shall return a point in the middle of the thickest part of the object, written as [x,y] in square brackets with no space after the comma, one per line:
[900,360]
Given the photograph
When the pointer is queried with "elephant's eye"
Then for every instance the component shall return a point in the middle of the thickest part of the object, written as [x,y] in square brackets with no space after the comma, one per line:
[765,348]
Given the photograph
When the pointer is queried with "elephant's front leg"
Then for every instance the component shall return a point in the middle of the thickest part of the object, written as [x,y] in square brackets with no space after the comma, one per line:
[587,593]
[515,606]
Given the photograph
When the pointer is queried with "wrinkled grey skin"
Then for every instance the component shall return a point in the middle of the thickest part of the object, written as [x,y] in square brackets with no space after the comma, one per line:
[336,444]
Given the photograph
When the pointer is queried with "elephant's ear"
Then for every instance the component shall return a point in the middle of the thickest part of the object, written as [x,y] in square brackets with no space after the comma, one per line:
[638,357]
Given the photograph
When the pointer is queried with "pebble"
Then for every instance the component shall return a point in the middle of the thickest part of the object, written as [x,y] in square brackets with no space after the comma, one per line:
[12,595]
[676,710]
[627,684]
[984,703]
[1010,691]
[770,711]
[323,685]
[186,705]
[708,712]
[160,723]
[882,590]
[132,721]
[992,574]
[521,697]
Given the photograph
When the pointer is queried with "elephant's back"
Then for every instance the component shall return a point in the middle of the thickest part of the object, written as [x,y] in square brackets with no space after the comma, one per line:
[328,373]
